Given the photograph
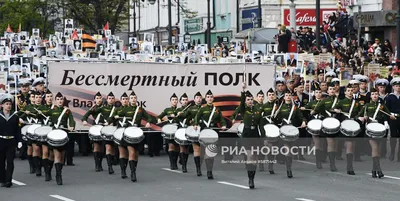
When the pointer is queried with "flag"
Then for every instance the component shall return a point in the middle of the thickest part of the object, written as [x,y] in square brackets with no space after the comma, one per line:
[88,41]
[9,30]
[106,27]
[19,28]
[74,35]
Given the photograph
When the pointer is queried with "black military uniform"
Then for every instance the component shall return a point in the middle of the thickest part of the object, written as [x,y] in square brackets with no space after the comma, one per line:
[10,136]
[393,104]
[23,100]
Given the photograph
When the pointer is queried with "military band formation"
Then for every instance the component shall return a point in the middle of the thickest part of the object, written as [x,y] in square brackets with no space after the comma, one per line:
[335,117]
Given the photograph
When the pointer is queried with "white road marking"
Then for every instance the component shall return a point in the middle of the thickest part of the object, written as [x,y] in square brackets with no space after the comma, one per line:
[304,199]
[306,162]
[61,198]
[176,171]
[232,184]
[386,176]
[18,183]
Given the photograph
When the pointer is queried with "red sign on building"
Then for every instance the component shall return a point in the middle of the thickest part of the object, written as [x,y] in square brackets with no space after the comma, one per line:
[307,17]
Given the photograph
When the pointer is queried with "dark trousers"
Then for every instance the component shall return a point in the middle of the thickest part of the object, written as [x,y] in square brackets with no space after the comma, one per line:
[7,155]
[71,147]
[23,152]
[84,144]
[155,142]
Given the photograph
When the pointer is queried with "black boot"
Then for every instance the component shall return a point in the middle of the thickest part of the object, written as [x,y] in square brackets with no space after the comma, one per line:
[184,159]
[289,166]
[350,170]
[133,165]
[175,156]
[209,166]
[46,166]
[393,143]
[332,161]
[251,174]
[198,165]
[123,162]
[301,157]
[96,161]
[38,165]
[271,164]
[171,160]
[377,162]
[51,164]
[58,173]
[374,167]
[318,162]
[31,166]
[110,164]
[101,156]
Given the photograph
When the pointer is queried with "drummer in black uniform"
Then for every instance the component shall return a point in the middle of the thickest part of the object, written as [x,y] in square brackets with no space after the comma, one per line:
[173,147]
[372,112]
[97,146]
[349,108]
[202,119]
[67,123]
[190,115]
[393,104]
[288,114]
[10,137]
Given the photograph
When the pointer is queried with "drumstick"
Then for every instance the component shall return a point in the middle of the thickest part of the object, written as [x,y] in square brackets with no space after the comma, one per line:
[386,113]
[40,112]
[186,107]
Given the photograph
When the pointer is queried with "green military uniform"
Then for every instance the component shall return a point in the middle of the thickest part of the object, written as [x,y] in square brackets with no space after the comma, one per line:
[204,114]
[191,113]
[296,118]
[105,112]
[312,106]
[370,108]
[129,111]
[181,117]
[94,112]
[251,118]
[66,118]
[235,114]
[168,112]
[345,105]
[326,105]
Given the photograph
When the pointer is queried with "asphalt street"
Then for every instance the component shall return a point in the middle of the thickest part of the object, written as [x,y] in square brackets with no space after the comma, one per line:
[156,182]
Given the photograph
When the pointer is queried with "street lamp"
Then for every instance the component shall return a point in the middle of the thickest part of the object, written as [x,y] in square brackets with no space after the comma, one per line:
[152,2]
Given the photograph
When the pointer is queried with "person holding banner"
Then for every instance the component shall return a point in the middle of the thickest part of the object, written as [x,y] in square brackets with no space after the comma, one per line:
[61,118]
[183,149]
[375,111]
[207,117]
[251,119]
[10,138]
[107,112]
[173,147]
[97,147]
[348,108]
[190,115]
[137,114]
[288,114]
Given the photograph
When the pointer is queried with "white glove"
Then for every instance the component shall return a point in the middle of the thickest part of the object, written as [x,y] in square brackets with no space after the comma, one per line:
[19,145]
[386,125]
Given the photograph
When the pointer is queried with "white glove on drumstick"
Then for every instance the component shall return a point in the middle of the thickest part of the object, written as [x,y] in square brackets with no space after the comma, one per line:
[19,145]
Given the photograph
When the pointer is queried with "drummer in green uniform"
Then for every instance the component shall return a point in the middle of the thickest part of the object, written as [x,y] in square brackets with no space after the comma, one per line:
[137,114]
[372,112]
[183,149]
[349,108]
[47,154]
[316,138]
[94,112]
[207,117]
[190,114]
[324,108]
[251,119]
[288,114]
[173,147]
[61,117]
[268,111]
[108,111]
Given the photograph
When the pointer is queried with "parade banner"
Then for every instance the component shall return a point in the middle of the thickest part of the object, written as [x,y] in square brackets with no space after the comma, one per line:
[154,83]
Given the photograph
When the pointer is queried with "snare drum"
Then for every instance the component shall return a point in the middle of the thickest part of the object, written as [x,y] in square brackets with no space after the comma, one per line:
[375,130]
[107,132]
[95,133]
[191,134]
[31,131]
[169,130]
[350,128]
[289,133]
[208,136]
[133,135]
[24,133]
[271,132]
[314,126]
[57,138]
[41,133]
[180,137]
[330,126]
[240,129]
[118,135]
